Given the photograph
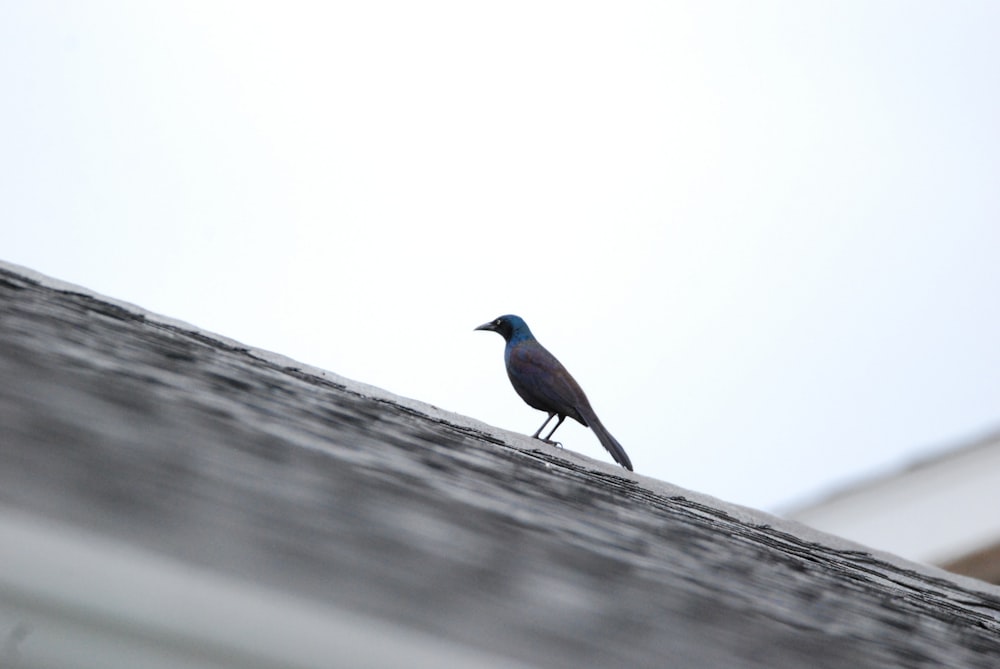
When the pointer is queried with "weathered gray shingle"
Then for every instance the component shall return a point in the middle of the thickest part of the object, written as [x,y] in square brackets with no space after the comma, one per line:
[248,465]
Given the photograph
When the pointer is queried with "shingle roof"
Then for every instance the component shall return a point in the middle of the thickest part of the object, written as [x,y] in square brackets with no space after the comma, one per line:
[148,432]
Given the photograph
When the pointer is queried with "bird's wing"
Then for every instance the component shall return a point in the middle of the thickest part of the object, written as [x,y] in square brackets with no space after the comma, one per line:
[542,381]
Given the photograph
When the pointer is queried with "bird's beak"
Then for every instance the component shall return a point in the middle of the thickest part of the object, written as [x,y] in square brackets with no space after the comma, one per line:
[488,326]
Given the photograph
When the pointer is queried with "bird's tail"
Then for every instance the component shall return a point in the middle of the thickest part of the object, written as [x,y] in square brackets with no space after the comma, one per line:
[607,441]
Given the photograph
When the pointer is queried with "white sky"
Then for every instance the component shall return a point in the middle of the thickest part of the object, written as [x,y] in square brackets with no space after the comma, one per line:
[763,236]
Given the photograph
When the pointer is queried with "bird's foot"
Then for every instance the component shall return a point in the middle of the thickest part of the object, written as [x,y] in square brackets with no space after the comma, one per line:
[557,444]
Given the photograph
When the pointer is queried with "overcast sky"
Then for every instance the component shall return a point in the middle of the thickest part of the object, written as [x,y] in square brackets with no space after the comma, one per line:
[764,237]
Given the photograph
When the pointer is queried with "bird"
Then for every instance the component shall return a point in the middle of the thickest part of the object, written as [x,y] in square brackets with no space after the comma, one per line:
[542,381]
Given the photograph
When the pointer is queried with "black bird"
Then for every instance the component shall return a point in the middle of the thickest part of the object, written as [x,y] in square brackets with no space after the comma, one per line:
[544,383]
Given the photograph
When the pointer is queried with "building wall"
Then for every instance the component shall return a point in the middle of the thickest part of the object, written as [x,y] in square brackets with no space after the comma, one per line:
[942,511]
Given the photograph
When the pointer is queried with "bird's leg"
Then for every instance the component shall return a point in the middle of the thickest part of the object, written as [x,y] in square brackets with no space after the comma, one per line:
[548,439]
[539,430]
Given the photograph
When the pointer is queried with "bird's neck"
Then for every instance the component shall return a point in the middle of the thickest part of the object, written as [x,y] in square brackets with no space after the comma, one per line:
[519,337]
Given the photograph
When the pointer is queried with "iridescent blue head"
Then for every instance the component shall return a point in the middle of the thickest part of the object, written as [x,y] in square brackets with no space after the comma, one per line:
[508,326]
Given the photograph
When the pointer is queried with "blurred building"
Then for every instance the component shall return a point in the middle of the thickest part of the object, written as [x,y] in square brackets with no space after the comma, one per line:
[941,510]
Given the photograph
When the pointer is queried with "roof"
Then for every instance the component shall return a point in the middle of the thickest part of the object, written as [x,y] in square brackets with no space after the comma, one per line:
[227,506]
[974,449]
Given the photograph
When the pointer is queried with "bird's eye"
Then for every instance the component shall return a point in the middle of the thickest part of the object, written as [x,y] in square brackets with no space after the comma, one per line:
[496,322]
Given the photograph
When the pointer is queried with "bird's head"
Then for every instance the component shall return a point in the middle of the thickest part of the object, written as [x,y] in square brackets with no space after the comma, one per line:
[507,326]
